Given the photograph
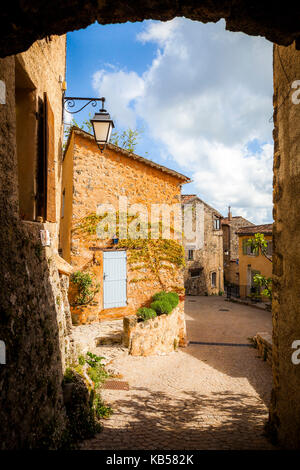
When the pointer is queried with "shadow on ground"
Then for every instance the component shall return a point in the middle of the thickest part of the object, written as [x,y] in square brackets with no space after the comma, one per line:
[206,323]
[194,421]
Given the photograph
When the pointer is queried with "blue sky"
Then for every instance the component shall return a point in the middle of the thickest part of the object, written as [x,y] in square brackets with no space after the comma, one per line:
[201,95]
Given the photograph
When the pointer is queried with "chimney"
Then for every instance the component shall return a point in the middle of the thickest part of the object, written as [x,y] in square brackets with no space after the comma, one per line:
[229,214]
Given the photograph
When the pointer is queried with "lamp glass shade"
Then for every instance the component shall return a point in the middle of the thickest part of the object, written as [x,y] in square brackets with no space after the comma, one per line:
[102,126]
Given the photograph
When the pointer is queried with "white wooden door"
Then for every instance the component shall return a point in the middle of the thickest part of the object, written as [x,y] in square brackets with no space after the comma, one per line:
[114,279]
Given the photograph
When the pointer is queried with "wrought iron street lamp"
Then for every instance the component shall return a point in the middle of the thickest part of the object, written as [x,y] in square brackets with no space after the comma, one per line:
[102,126]
[101,122]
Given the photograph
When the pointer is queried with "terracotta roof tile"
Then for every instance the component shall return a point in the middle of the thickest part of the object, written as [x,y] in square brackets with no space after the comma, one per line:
[252,229]
[187,197]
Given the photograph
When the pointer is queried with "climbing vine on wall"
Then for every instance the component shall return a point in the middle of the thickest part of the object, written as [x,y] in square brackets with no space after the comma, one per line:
[86,288]
[155,254]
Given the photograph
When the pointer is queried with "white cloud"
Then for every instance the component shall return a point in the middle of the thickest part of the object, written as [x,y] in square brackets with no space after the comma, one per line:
[159,33]
[122,88]
[206,95]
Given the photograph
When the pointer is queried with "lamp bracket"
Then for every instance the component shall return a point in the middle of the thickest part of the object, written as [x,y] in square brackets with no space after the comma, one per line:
[69,101]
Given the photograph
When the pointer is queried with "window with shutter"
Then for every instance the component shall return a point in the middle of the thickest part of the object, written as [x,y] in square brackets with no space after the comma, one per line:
[41,163]
[26,128]
[217,224]
[50,162]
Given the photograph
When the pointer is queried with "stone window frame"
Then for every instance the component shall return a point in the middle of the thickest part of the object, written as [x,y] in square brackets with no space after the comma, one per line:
[193,271]
[216,223]
[191,255]
[248,250]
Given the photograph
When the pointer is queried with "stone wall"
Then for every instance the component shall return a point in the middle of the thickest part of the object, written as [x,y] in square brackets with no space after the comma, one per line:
[285,405]
[45,65]
[34,312]
[263,342]
[208,259]
[160,335]
[231,244]
[91,178]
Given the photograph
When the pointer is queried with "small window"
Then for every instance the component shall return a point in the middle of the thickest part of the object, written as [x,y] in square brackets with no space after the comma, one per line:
[195,272]
[190,255]
[214,279]
[217,224]
[248,249]
[63,203]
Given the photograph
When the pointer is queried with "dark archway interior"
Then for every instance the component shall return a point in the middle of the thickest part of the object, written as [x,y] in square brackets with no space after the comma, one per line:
[22,23]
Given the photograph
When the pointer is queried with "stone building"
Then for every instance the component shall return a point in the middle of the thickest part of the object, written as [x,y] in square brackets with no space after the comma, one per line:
[128,270]
[203,274]
[230,225]
[35,322]
[250,261]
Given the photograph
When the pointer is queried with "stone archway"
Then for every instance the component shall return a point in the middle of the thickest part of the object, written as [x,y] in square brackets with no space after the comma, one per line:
[21,25]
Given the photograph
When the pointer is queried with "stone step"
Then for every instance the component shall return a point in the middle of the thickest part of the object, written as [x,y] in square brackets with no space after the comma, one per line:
[113,338]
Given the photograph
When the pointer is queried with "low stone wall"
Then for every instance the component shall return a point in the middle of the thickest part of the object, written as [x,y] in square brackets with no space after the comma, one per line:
[158,336]
[263,342]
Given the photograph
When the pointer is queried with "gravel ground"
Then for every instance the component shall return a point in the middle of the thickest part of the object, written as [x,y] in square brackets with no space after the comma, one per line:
[201,397]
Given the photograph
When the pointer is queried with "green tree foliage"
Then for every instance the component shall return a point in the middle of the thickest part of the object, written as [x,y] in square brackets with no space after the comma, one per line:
[86,126]
[127,139]
[258,242]
[265,283]
[85,286]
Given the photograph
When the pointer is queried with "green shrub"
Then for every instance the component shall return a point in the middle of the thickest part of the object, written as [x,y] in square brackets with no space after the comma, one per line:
[96,371]
[161,307]
[101,410]
[160,295]
[173,298]
[145,313]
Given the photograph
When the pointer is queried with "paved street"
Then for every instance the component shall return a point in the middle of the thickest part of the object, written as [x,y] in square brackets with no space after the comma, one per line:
[201,397]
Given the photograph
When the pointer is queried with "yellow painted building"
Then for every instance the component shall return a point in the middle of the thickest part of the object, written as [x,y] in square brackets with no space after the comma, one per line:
[251,263]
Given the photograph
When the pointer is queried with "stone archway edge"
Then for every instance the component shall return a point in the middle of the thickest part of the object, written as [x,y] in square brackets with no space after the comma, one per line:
[22,23]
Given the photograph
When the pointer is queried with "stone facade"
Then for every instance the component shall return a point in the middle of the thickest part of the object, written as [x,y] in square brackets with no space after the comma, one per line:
[285,405]
[203,273]
[230,225]
[35,319]
[160,335]
[91,178]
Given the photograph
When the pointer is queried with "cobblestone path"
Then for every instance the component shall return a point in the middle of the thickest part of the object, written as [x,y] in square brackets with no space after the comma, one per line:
[201,397]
